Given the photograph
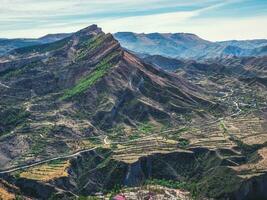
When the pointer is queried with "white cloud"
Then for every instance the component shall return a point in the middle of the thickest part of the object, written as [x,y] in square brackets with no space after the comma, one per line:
[150,23]
[210,29]
[32,18]
[229,29]
[11,9]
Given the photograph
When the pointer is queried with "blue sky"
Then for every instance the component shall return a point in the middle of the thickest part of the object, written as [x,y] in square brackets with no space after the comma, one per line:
[210,19]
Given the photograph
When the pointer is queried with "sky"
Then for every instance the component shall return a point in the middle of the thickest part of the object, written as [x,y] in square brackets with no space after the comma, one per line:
[214,20]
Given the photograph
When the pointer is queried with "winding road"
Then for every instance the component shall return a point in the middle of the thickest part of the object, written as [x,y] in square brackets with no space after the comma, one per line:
[45,161]
[3,85]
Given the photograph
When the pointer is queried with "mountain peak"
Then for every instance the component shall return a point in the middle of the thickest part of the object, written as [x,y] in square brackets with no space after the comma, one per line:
[90,30]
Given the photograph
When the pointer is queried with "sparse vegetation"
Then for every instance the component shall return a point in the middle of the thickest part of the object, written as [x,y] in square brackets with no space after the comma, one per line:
[183,143]
[12,117]
[192,187]
[87,45]
[146,128]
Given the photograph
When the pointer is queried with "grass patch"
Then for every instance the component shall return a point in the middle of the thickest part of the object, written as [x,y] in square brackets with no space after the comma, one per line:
[12,117]
[183,143]
[95,140]
[85,83]
[134,136]
[146,128]
[223,127]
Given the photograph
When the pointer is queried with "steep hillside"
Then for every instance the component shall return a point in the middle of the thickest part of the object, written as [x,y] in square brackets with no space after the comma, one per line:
[249,67]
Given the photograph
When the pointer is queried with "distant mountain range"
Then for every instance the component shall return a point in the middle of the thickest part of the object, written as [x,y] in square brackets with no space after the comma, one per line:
[177,45]
[247,67]
[189,46]
[7,45]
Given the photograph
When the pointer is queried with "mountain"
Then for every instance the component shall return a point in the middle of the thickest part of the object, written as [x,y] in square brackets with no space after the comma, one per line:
[86,84]
[245,67]
[170,45]
[61,97]
[188,46]
[53,37]
[177,45]
[83,117]
[245,44]
[166,63]
[7,45]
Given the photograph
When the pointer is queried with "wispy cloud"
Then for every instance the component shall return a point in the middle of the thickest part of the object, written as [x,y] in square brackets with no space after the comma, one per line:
[31,18]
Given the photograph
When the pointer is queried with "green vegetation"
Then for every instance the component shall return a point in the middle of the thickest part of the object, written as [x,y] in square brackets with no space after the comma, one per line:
[100,70]
[134,136]
[191,187]
[167,183]
[87,45]
[88,198]
[11,72]
[18,197]
[95,140]
[14,72]
[117,132]
[175,135]
[222,125]
[146,128]
[219,181]
[12,117]
[38,147]
[183,143]
[105,162]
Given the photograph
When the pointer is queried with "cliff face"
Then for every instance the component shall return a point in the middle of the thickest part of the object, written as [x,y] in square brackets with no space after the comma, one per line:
[254,188]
